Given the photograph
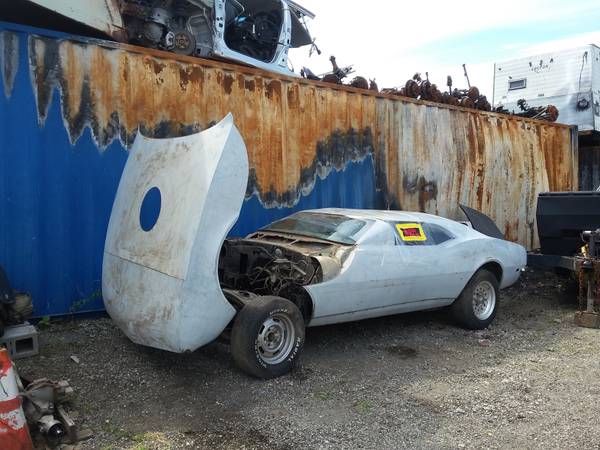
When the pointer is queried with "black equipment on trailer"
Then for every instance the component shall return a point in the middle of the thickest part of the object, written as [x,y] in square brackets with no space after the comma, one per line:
[562,217]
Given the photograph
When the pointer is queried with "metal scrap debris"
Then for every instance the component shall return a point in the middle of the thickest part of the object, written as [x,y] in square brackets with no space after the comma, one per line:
[589,282]
[45,403]
[420,88]
[548,113]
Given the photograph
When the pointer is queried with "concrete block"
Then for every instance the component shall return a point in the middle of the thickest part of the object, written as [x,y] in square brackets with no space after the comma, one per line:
[21,340]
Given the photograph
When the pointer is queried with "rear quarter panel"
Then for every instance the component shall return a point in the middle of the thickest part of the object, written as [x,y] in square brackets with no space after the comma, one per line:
[445,270]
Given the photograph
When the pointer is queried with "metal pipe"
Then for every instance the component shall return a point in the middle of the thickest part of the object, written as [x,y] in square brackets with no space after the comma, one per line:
[590,290]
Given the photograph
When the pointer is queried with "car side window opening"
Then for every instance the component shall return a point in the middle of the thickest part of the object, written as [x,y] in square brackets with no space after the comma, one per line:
[253,27]
[420,234]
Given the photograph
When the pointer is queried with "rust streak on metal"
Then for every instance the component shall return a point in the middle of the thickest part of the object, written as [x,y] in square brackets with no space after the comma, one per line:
[9,60]
[427,157]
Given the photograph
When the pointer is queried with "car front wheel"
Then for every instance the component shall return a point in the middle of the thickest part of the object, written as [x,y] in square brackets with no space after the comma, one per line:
[476,307]
[267,337]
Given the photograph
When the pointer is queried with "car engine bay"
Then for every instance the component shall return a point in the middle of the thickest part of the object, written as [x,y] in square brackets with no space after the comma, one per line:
[265,268]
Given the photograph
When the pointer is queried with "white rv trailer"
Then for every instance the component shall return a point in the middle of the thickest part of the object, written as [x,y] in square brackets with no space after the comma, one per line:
[567,79]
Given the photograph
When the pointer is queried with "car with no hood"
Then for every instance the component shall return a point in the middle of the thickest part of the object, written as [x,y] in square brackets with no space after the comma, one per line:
[172,281]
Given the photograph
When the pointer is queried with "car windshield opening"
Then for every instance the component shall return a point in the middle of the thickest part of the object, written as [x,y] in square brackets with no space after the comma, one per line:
[329,227]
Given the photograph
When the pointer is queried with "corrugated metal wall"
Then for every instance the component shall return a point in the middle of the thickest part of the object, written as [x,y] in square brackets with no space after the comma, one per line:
[71,109]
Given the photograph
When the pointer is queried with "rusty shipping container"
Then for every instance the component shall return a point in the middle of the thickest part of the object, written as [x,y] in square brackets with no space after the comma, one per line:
[70,108]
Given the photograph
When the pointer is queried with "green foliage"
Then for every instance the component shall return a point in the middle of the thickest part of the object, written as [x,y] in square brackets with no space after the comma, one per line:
[78,305]
[44,322]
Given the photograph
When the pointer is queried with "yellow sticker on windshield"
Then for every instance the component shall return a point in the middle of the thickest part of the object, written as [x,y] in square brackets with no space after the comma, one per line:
[411,232]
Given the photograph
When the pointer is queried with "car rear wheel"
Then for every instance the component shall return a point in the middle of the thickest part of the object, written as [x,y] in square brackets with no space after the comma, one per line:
[267,337]
[476,307]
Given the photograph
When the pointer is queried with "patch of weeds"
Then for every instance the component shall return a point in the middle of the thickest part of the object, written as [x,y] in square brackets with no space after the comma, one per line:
[156,437]
[325,396]
[363,406]
[78,305]
[145,439]
[44,322]
[138,438]
[108,447]
[119,433]
[87,409]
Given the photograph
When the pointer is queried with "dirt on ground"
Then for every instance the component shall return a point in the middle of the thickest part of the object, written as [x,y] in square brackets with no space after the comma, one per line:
[532,380]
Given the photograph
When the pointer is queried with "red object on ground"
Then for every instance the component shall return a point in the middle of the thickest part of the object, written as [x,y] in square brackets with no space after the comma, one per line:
[14,433]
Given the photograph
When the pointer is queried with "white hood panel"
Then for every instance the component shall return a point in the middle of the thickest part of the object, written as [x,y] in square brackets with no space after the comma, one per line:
[161,286]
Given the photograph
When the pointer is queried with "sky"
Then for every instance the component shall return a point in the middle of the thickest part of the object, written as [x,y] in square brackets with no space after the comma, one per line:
[391,40]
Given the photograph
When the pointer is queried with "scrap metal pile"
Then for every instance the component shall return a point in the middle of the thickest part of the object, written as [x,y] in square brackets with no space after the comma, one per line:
[423,89]
[420,89]
[548,113]
[258,33]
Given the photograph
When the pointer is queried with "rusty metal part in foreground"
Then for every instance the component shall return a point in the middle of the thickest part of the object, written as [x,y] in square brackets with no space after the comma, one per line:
[589,282]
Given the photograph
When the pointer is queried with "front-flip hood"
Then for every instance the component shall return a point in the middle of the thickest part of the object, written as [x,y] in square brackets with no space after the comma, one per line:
[176,202]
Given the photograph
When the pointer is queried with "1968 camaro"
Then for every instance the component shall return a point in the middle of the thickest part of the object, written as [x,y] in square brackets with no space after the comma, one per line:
[172,281]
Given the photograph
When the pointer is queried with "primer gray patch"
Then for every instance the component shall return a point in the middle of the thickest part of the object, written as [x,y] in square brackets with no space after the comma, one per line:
[9,60]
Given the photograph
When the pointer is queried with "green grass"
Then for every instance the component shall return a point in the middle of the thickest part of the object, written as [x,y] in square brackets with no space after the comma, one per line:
[325,396]
[44,322]
[363,406]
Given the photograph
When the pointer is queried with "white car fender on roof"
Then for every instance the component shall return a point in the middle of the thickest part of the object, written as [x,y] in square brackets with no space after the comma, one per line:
[160,282]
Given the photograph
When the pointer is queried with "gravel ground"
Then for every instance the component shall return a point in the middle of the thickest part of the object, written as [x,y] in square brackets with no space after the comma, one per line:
[413,381]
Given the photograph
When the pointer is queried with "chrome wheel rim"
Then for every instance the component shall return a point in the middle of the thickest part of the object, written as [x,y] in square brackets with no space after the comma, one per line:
[276,339]
[484,300]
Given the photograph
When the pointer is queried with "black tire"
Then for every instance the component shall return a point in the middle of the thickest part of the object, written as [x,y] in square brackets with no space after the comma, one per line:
[472,313]
[268,323]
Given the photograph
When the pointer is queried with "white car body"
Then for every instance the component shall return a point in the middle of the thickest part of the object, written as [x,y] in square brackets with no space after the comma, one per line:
[384,277]
[166,284]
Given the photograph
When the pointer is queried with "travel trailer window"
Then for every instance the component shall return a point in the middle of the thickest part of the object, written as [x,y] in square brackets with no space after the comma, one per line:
[513,85]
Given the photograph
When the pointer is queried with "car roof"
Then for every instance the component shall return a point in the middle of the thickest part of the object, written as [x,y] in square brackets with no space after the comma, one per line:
[372,214]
